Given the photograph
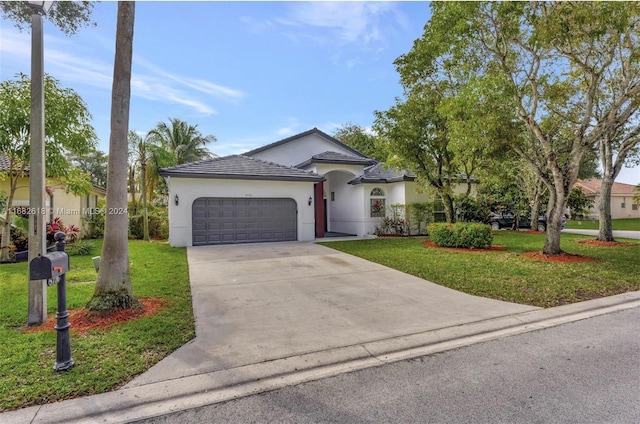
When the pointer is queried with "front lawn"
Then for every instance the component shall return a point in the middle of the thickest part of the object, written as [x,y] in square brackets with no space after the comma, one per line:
[631,224]
[505,275]
[105,359]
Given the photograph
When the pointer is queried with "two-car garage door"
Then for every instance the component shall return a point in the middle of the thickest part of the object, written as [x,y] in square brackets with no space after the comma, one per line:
[218,220]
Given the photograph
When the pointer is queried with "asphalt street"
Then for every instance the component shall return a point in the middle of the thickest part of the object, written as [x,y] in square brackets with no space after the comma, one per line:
[583,372]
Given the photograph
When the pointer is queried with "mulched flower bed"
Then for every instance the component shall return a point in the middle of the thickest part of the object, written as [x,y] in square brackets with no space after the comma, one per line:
[594,242]
[562,257]
[494,248]
[83,320]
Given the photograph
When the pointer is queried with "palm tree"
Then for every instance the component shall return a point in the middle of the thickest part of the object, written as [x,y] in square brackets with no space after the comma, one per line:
[173,144]
[183,142]
[113,287]
[140,151]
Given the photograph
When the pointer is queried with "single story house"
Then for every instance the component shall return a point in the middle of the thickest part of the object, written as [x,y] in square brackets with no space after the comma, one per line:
[298,188]
[72,209]
[622,205]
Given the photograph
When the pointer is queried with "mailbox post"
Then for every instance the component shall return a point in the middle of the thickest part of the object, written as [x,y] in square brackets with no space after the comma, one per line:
[53,267]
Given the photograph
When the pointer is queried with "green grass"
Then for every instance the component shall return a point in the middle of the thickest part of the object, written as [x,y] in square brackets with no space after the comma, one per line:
[105,359]
[507,276]
[631,224]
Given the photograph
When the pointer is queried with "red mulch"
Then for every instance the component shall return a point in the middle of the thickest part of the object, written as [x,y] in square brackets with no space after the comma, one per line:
[83,320]
[594,242]
[494,248]
[562,257]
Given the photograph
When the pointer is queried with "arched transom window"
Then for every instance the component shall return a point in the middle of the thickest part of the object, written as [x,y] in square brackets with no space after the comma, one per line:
[377,203]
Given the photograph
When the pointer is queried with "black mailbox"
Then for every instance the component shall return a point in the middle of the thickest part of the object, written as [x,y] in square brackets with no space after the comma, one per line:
[49,266]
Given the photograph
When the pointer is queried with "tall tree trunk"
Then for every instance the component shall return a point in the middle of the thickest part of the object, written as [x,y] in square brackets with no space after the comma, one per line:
[558,198]
[145,212]
[132,189]
[605,232]
[535,205]
[5,252]
[610,170]
[113,287]
[447,202]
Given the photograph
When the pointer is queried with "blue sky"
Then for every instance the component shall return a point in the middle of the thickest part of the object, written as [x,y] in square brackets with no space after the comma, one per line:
[249,73]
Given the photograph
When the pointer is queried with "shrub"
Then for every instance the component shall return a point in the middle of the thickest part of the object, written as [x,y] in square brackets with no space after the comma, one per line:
[80,247]
[469,209]
[71,231]
[95,221]
[392,227]
[461,234]
[20,239]
[158,227]
[420,216]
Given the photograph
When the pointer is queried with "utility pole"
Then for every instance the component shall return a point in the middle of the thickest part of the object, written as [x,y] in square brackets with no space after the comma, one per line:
[37,305]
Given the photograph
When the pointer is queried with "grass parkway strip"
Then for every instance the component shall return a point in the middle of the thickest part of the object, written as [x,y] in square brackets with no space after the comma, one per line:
[105,358]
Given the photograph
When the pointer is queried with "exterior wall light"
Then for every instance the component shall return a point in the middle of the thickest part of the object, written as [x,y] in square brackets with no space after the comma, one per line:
[310,200]
[176,200]
[40,7]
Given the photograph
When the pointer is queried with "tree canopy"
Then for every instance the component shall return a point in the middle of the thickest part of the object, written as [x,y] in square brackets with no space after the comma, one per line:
[359,138]
[182,142]
[67,131]
[69,16]
[565,70]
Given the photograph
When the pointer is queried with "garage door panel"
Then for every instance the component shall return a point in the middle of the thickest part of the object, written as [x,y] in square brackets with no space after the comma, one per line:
[242,220]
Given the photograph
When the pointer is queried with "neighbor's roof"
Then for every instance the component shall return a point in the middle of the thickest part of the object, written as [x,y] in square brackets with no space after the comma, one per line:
[378,174]
[336,158]
[301,135]
[593,186]
[239,167]
[5,165]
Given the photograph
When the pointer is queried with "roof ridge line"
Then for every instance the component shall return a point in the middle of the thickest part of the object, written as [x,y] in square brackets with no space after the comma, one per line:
[279,165]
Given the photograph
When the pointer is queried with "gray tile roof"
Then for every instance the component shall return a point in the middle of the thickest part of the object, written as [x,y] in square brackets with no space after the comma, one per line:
[239,167]
[335,157]
[4,163]
[304,134]
[378,174]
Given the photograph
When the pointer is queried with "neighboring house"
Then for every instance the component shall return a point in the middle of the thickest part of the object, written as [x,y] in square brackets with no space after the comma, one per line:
[298,188]
[69,207]
[622,205]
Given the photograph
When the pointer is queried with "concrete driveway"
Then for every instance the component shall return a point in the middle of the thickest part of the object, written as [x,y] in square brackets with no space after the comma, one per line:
[260,302]
[266,301]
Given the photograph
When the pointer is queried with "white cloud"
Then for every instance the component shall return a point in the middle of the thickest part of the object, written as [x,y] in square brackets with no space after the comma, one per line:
[151,88]
[204,86]
[289,129]
[340,22]
[153,83]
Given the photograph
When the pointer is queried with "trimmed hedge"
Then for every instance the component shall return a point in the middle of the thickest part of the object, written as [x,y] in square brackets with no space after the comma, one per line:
[461,234]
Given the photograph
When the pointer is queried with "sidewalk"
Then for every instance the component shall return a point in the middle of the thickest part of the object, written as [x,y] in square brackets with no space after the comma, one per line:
[616,233]
[273,315]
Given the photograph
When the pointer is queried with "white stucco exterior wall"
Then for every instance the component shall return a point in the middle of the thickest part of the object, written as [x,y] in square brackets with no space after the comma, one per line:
[297,151]
[344,209]
[403,193]
[190,189]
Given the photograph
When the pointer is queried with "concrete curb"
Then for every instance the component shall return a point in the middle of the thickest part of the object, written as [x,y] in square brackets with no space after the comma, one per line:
[136,403]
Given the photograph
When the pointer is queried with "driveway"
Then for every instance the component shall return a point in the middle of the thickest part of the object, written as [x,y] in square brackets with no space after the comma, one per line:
[260,302]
